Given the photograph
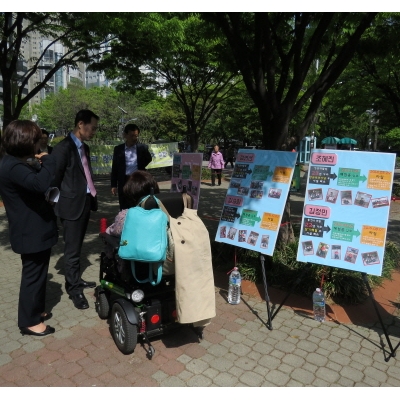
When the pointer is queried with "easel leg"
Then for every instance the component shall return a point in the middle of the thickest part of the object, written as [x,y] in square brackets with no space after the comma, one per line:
[393,350]
[298,280]
[269,323]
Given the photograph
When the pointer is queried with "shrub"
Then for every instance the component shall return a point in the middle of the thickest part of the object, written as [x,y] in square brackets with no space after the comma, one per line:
[339,285]
[206,173]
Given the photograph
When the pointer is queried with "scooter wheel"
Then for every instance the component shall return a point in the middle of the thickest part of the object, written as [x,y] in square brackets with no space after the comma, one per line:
[123,332]
[103,304]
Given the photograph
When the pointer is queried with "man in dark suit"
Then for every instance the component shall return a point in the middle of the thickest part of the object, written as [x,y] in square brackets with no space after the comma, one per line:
[74,178]
[127,158]
[44,143]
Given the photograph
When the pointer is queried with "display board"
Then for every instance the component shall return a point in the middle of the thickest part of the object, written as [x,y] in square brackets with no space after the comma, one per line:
[256,197]
[346,209]
[186,171]
[101,156]
[162,154]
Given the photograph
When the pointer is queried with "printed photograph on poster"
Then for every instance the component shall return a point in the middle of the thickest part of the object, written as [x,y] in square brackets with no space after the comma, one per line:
[222,231]
[174,187]
[275,193]
[235,183]
[256,194]
[242,235]
[189,188]
[253,238]
[315,194]
[244,191]
[264,241]
[194,190]
[332,195]
[322,250]
[370,258]
[308,248]
[380,202]
[180,186]
[258,185]
[362,199]
[351,255]
[336,252]
[232,233]
[346,197]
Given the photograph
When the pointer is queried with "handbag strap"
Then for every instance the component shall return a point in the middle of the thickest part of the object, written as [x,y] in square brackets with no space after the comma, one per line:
[159,203]
[154,280]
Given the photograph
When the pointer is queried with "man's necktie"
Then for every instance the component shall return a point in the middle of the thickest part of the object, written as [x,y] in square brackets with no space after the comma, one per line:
[87,172]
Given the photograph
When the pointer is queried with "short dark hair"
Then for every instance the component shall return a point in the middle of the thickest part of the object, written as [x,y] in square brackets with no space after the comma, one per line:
[139,184]
[131,127]
[85,116]
[20,138]
[45,132]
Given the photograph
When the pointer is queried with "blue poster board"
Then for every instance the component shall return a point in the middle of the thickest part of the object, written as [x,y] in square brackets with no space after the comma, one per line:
[346,209]
[256,197]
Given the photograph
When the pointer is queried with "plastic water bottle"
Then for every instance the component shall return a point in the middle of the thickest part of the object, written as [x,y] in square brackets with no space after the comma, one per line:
[235,281]
[319,305]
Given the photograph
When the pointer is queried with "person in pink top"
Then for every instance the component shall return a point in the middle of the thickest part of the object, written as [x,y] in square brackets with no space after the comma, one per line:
[216,164]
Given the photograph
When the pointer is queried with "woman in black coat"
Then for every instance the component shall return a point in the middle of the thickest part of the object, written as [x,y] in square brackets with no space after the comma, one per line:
[32,224]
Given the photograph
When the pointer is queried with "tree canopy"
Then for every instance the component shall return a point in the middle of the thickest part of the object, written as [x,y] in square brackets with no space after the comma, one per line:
[183,57]
[277,52]
[80,33]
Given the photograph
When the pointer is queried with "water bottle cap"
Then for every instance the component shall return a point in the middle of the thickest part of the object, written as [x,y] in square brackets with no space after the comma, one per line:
[318,289]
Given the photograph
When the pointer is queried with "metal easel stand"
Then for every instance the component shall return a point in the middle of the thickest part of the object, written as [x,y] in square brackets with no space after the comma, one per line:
[392,350]
[267,300]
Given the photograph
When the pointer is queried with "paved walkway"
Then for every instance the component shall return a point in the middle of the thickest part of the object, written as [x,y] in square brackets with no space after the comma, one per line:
[237,350]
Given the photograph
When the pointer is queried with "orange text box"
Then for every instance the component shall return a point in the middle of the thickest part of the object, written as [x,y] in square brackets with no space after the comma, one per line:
[373,235]
[196,172]
[380,180]
[270,221]
[282,174]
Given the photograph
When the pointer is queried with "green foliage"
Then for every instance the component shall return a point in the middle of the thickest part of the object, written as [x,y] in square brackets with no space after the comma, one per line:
[56,140]
[393,138]
[205,173]
[339,285]
[80,33]
[184,51]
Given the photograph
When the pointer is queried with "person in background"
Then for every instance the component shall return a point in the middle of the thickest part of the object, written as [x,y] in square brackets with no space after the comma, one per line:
[230,153]
[44,143]
[78,197]
[32,223]
[216,164]
[127,158]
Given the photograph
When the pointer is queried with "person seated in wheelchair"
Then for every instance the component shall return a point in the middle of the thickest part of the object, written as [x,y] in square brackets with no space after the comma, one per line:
[139,185]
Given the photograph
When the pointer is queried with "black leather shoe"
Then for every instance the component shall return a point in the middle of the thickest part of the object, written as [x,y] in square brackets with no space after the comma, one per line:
[26,331]
[87,285]
[46,317]
[80,301]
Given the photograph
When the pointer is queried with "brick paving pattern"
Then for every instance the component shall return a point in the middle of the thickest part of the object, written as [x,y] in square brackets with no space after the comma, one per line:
[237,349]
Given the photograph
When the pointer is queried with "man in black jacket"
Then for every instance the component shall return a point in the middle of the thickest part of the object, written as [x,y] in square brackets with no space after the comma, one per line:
[74,178]
[127,158]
